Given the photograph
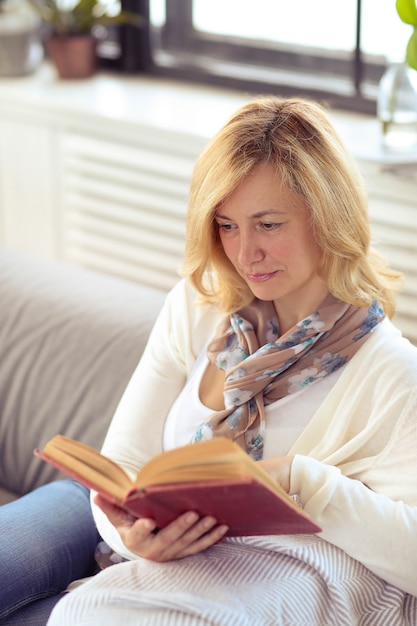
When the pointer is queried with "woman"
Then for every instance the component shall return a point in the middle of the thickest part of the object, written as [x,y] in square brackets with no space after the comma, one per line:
[279,338]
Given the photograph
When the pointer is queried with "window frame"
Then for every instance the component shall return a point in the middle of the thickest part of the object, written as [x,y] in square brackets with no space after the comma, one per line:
[343,80]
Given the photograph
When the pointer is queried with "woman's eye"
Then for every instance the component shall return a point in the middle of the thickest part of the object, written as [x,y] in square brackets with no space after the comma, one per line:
[225,228]
[268,226]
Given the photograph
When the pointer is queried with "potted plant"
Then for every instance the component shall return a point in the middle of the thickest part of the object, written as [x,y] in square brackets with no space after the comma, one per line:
[20,43]
[397,96]
[71,42]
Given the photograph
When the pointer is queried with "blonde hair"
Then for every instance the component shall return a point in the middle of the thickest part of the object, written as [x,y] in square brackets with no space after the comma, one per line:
[296,137]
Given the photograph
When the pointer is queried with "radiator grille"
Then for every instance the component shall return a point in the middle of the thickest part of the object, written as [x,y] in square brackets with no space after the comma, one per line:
[124,208]
[394,231]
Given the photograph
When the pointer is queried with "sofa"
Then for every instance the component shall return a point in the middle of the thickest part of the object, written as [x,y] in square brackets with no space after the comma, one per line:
[70,339]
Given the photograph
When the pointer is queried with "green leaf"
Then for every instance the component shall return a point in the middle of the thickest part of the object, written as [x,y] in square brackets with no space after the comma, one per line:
[407,10]
[411,53]
[82,17]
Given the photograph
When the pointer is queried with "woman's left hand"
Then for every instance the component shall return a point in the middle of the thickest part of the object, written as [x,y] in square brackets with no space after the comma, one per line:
[185,536]
[279,468]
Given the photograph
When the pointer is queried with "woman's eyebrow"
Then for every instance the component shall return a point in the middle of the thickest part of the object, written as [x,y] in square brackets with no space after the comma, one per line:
[257,215]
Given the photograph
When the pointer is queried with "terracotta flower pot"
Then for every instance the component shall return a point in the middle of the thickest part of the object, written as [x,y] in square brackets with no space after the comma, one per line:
[74,56]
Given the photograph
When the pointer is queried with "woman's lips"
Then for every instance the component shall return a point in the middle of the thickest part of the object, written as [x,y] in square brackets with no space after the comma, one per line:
[260,278]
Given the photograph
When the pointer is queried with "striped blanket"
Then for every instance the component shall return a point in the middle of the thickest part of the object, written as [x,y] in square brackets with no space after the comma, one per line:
[252,581]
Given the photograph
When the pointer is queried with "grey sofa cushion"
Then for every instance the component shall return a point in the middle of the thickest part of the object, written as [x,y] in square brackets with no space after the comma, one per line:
[69,341]
[7,496]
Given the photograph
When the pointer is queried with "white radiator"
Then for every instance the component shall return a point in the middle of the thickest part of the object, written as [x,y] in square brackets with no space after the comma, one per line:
[393,214]
[397,246]
[124,206]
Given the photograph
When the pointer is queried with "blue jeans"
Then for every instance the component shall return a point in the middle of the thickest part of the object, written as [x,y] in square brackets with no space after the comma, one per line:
[47,540]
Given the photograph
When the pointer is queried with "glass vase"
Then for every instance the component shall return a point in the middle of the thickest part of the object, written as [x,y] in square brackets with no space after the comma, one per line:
[397,107]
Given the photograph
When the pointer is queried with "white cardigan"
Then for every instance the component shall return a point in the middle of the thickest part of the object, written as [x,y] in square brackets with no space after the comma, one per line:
[365,430]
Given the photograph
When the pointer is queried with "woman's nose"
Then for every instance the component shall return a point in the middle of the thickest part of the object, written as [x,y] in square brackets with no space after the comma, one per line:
[249,250]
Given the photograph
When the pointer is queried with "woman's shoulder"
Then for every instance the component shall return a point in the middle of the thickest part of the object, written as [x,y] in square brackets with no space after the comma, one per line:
[188,315]
[387,336]
[184,297]
[388,352]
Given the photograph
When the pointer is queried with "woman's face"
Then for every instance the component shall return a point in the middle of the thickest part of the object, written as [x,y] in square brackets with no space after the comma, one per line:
[264,230]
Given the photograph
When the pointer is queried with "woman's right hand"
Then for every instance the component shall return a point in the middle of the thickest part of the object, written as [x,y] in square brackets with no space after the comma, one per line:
[187,535]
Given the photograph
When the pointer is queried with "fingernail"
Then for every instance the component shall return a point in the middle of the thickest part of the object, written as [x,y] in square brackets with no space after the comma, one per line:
[149,524]
[221,533]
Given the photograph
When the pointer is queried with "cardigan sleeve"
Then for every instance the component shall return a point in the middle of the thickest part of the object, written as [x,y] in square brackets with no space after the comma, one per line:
[370,527]
[136,432]
[355,465]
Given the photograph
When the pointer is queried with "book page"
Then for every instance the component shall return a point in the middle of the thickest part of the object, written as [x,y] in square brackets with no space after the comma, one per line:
[69,451]
[216,459]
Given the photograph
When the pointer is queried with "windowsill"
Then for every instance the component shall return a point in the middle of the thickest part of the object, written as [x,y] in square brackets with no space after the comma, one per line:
[336,90]
[150,102]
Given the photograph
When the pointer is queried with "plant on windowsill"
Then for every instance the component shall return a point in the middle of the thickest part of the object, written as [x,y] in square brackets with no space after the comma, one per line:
[407,11]
[71,41]
[397,97]
[20,45]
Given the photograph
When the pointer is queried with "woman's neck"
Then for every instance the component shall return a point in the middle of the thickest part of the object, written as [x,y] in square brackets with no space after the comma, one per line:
[290,312]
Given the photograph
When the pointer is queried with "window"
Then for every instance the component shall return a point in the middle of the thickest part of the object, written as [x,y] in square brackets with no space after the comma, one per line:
[125,47]
[332,50]
[328,49]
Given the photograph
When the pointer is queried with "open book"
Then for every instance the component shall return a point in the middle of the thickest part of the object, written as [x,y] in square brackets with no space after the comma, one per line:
[213,477]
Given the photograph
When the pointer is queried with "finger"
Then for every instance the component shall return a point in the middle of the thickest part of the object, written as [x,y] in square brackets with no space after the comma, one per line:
[142,540]
[216,535]
[117,516]
[279,469]
[187,535]
[139,537]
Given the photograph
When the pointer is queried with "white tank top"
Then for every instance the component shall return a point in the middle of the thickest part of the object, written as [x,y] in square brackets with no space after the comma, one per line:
[285,419]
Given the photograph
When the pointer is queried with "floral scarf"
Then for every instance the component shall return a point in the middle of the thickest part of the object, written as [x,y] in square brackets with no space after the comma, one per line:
[261,367]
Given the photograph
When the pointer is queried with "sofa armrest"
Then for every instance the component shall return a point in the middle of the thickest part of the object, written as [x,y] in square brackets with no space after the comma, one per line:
[70,339]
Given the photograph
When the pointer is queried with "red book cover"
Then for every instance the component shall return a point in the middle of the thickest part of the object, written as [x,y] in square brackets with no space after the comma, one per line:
[246,505]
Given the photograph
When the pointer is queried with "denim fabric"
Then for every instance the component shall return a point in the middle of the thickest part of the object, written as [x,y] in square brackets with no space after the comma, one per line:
[47,540]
